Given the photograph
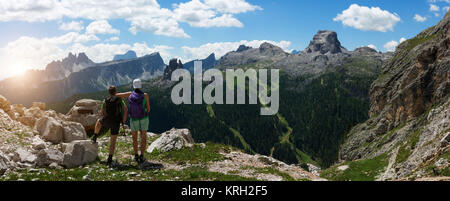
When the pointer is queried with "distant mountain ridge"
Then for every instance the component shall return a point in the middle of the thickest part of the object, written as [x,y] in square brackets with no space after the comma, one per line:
[95,78]
[207,63]
[129,55]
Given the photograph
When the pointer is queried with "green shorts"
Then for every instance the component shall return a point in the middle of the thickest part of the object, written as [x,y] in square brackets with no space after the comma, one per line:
[139,125]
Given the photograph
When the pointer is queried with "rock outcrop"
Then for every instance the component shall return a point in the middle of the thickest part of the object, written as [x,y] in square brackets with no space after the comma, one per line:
[325,42]
[244,55]
[33,137]
[78,153]
[207,63]
[174,64]
[174,139]
[129,55]
[96,77]
[410,109]
[86,112]
[325,52]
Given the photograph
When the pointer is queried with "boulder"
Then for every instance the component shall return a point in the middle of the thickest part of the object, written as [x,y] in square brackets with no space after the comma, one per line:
[54,155]
[73,131]
[34,112]
[86,112]
[5,105]
[39,105]
[24,156]
[174,139]
[3,163]
[42,159]
[19,109]
[78,153]
[45,157]
[50,129]
[38,143]
[27,120]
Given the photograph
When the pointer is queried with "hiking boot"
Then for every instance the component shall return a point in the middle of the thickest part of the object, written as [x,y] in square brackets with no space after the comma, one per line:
[109,162]
[137,159]
[142,159]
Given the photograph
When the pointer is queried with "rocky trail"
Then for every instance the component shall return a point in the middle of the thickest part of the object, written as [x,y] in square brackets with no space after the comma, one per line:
[42,145]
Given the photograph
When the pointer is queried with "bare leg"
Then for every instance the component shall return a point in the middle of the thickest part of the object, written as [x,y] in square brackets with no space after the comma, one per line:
[143,142]
[135,142]
[98,126]
[112,144]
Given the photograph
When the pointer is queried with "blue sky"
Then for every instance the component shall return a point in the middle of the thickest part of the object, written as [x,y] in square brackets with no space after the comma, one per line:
[34,33]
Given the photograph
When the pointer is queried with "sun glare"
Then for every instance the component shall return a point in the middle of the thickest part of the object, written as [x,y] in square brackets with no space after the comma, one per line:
[15,68]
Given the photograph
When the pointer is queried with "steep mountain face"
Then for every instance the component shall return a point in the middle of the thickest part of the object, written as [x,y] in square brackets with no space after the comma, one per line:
[325,51]
[174,64]
[207,63]
[245,55]
[56,70]
[409,110]
[94,78]
[129,55]
[325,42]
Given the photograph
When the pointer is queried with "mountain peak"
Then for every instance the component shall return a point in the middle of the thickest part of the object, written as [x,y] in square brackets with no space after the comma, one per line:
[243,48]
[174,64]
[325,41]
[129,55]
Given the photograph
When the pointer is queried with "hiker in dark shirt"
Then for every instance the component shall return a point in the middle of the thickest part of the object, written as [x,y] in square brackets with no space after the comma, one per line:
[114,111]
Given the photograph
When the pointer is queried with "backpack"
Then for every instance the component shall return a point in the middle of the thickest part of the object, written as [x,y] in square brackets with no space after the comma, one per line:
[113,108]
[136,110]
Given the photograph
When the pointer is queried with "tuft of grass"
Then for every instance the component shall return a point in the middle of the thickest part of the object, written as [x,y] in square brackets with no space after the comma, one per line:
[361,170]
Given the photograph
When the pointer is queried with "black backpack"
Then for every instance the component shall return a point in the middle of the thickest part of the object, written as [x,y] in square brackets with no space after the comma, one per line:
[113,108]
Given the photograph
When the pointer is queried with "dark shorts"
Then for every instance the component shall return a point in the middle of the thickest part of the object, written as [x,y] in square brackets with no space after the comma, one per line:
[112,125]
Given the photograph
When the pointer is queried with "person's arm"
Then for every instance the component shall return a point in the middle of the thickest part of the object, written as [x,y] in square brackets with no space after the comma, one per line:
[148,102]
[123,95]
[125,112]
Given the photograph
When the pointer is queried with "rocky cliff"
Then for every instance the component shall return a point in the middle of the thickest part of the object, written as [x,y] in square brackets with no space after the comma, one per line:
[129,55]
[409,110]
[56,70]
[95,78]
[246,55]
[207,63]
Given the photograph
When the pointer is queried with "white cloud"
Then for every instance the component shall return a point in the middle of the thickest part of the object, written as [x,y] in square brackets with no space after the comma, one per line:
[159,26]
[212,13]
[446,8]
[221,48]
[143,15]
[368,19]
[434,7]
[402,40]
[72,26]
[114,38]
[100,27]
[392,45]
[419,18]
[373,47]
[31,11]
[232,6]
